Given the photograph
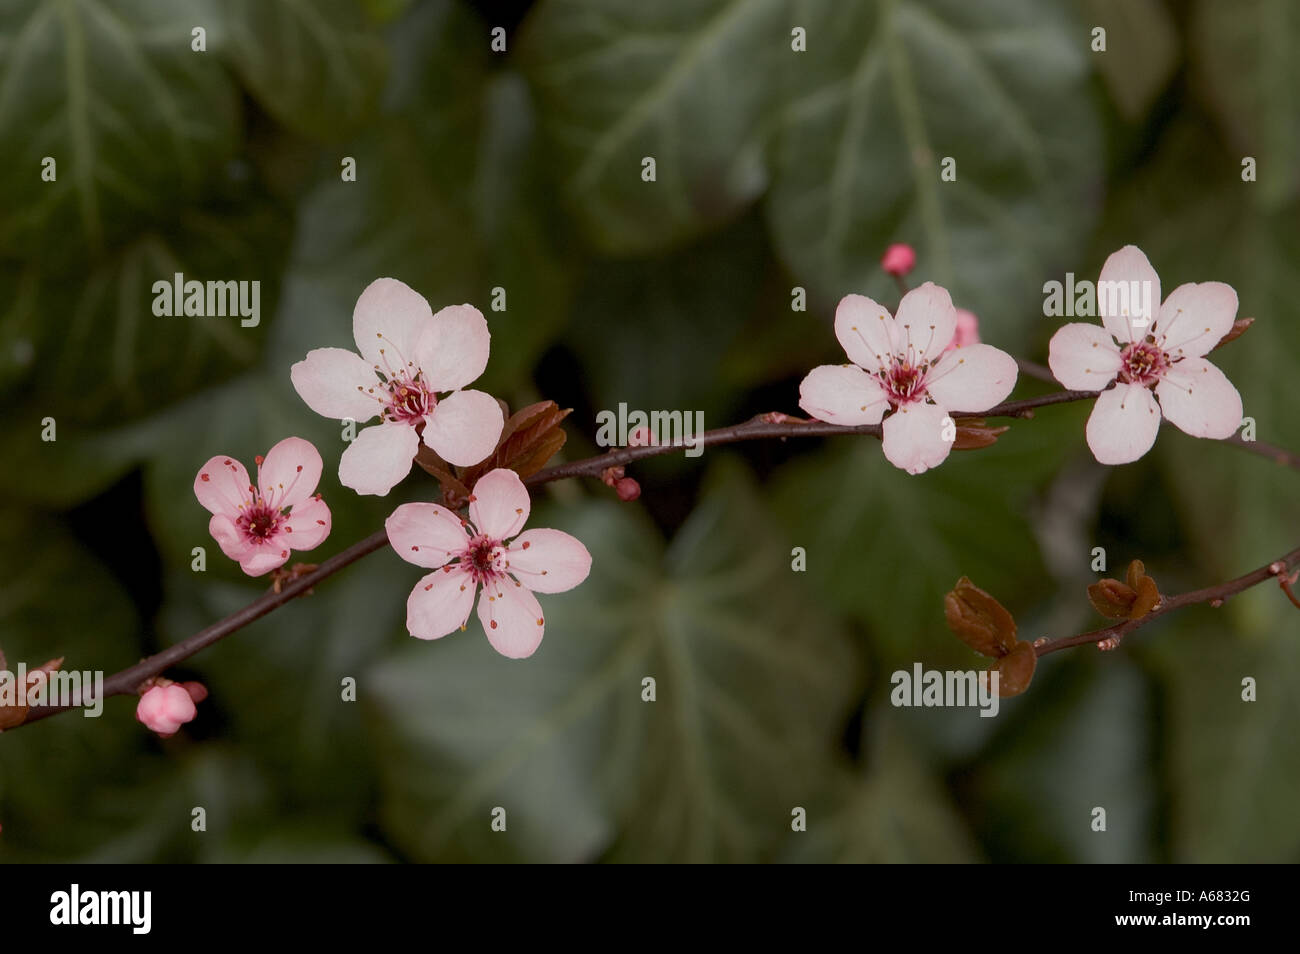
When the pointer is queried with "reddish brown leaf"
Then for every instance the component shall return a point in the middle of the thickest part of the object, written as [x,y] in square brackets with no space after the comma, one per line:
[1239,328]
[974,433]
[979,620]
[1016,669]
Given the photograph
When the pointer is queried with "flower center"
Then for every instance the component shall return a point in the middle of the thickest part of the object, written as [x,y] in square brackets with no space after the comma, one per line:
[409,401]
[904,382]
[485,558]
[1142,363]
[260,522]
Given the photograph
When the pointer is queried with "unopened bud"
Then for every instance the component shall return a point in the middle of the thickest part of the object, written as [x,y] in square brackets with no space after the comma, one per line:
[979,620]
[627,489]
[899,259]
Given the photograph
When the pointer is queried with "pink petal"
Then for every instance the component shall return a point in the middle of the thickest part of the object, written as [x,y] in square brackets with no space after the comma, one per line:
[289,473]
[926,322]
[307,526]
[512,618]
[336,383]
[426,534]
[968,330]
[1083,357]
[265,557]
[222,486]
[389,316]
[1123,424]
[548,561]
[379,458]
[230,538]
[440,603]
[1195,317]
[914,437]
[453,350]
[1122,269]
[865,331]
[464,428]
[842,394]
[1196,397]
[499,504]
[972,378]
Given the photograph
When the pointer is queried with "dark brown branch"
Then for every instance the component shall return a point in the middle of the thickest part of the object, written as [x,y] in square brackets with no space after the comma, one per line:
[772,425]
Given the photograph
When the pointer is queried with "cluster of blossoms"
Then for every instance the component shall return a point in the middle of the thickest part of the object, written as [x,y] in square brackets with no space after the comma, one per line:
[923,364]
[411,372]
[911,373]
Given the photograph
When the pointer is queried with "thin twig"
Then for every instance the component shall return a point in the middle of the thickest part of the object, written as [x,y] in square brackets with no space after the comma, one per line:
[772,425]
[1210,594]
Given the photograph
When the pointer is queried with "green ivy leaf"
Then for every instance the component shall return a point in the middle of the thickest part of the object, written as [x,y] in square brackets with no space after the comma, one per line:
[135,120]
[890,89]
[751,683]
[317,66]
[686,83]
[1245,66]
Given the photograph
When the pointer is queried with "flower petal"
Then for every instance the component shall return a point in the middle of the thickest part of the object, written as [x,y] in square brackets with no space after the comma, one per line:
[1123,424]
[308,525]
[842,394]
[289,473]
[453,350]
[1195,317]
[426,534]
[230,538]
[548,561]
[440,602]
[389,317]
[925,323]
[1128,295]
[222,486]
[1083,357]
[336,383]
[866,332]
[1196,397]
[464,428]
[378,458]
[265,557]
[972,378]
[511,617]
[914,437]
[499,504]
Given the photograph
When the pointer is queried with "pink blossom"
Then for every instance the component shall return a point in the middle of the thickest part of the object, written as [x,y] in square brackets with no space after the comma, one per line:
[900,364]
[258,525]
[164,709]
[968,330]
[1149,359]
[487,550]
[899,259]
[408,356]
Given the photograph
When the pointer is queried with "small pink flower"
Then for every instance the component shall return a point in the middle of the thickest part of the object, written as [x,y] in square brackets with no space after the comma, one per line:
[258,525]
[164,709]
[1149,359]
[968,330]
[900,363]
[899,259]
[465,554]
[408,356]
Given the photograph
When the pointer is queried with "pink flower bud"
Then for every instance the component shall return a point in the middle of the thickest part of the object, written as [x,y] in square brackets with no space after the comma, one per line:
[164,709]
[968,330]
[899,259]
[628,489]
